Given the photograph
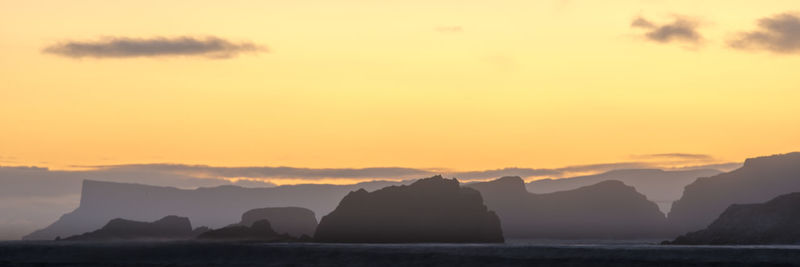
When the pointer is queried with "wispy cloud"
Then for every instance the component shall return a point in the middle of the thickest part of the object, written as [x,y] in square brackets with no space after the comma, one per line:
[272,172]
[778,34]
[681,29]
[377,173]
[123,47]
[682,156]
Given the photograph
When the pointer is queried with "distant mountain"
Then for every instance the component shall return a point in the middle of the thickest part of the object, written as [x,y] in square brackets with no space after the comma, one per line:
[659,186]
[167,228]
[293,221]
[214,207]
[429,210]
[258,231]
[774,222]
[606,210]
[759,180]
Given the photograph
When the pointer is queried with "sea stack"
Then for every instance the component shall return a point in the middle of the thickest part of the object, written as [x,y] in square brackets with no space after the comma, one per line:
[431,210]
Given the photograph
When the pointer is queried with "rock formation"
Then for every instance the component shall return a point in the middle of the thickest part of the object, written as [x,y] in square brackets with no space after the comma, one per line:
[759,180]
[606,210]
[293,221]
[659,186]
[429,210]
[773,222]
[258,231]
[167,228]
[213,207]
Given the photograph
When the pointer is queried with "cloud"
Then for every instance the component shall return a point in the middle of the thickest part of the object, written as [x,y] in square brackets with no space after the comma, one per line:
[778,34]
[522,172]
[272,172]
[123,47]
[682,29]
[680,156]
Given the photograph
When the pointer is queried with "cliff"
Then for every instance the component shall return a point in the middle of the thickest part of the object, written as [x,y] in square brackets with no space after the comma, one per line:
[660,186]
[429,210]
[167,228]
[606,210]
[758,180]
[214,207]
[773,222]
[293,221]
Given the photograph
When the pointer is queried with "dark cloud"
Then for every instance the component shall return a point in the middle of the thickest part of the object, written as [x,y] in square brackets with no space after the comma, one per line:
[681,29]
[122,47]
[778,34]
[685,156]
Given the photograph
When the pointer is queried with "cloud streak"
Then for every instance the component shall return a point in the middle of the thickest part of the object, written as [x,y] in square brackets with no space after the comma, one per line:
[124,47]
[681,29]
[313,174]
[777,34]
[681,156]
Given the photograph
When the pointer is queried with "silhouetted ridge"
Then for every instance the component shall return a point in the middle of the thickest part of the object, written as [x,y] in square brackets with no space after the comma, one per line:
[429,210]
[606,210]
[170,227]
[773,222]
[259,231]
[759,180]
[214,207]
[293,221]
[660,186]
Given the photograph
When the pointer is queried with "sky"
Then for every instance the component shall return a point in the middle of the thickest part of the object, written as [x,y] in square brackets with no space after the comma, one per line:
[438,86]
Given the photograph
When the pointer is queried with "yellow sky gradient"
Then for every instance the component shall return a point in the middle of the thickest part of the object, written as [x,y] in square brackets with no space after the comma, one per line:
[350,84]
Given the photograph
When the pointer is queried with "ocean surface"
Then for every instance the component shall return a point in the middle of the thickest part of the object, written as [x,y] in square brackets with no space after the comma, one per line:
[512,253]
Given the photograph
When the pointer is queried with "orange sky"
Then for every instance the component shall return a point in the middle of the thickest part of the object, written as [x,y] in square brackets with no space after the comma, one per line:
[461,85]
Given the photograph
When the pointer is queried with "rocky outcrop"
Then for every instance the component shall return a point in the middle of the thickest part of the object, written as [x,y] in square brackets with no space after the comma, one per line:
[167,228]
[759,180]
[606,210]
[429,210]
[258,231]
[214,207]
[293,221]
[773,222]
[660,186]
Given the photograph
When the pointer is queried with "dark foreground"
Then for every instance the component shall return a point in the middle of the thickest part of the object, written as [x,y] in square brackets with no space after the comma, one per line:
[515,254]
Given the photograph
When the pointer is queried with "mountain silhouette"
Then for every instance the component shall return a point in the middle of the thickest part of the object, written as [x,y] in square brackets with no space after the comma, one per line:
[773,222]
[293,221]
[259,231]
[758,180]
[429,210]
[660,186]
[167,228]
[214,207]
[606,210]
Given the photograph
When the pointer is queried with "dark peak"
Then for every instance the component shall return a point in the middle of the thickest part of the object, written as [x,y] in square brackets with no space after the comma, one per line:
[437,180]
[516,180]
[172,219]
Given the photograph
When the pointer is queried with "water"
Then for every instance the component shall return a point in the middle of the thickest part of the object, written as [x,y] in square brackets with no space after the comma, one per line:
[512,253]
